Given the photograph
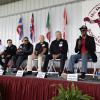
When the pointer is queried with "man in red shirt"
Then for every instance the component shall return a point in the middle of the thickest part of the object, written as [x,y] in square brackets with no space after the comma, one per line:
[85,49]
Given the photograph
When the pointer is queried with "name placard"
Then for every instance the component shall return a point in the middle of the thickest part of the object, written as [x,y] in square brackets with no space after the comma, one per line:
[41,75]
[19,73]
[72,77]
[1,72]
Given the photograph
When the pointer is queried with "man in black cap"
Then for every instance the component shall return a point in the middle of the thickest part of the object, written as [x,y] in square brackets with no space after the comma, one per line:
[85,49]
[58,50]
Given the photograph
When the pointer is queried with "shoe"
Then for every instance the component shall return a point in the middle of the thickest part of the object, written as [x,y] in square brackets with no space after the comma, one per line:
[60,73]
[4,73]
[29,72]
[69,72]
[82,76]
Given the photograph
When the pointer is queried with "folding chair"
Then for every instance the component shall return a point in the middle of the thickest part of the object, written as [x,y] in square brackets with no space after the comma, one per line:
[53,64]
[35,63]
[92,64]
[23,65]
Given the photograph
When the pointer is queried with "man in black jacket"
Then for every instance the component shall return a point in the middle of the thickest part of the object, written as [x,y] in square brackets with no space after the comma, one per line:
[9,52]
[58,50]
[85,49]
[25,49]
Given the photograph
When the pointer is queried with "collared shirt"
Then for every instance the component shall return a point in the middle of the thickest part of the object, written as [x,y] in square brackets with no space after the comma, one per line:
[39,47]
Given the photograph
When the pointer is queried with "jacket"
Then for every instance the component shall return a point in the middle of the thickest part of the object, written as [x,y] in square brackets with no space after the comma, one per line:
[89,45]
[59,47]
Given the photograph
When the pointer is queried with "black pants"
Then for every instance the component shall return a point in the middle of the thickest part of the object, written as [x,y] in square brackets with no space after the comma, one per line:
[6,62]
[1,63]
[18,59]
[62,58]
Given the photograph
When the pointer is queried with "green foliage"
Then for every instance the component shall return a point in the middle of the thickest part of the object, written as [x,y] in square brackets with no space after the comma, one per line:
[72,93]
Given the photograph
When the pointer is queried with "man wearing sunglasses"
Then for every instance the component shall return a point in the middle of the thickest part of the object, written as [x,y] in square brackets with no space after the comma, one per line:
[85,49]
[25,49]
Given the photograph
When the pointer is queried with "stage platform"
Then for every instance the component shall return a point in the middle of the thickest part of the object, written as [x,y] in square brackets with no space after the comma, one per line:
[29,87]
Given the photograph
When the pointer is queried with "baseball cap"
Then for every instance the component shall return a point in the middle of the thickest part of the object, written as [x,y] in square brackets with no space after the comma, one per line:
[83,27]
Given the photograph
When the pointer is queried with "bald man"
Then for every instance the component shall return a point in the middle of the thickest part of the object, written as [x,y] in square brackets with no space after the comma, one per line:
[41,49]
[58,50]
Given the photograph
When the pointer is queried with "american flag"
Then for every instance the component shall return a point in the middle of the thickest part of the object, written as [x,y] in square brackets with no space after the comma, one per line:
[20,28]
[32,28]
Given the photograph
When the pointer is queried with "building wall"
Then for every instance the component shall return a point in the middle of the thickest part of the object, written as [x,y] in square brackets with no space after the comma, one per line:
[10,14]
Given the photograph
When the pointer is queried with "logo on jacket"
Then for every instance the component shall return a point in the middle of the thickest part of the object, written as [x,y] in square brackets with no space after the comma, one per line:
[60,44]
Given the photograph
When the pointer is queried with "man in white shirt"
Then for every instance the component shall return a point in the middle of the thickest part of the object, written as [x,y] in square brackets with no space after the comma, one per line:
[2,49]
[41,50]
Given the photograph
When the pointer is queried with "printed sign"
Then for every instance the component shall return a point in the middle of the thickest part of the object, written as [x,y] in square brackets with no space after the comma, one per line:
[19,73]
[1,72]
[41,75]
[72,77]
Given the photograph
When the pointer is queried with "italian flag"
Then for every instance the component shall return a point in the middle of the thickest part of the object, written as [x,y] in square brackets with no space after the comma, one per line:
[48,34]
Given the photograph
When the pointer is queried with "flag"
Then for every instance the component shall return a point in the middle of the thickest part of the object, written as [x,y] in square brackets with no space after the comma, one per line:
[48,34]
[20,28]
[65,23]
[32,28]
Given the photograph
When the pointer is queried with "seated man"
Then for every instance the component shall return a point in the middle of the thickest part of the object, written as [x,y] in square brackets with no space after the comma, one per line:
[2,49]
[85,47]
[25,49]
[9,52]
[58,50]
[41,49]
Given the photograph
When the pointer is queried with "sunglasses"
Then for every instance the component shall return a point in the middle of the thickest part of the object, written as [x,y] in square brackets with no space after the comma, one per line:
[83,30]
[25,40]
